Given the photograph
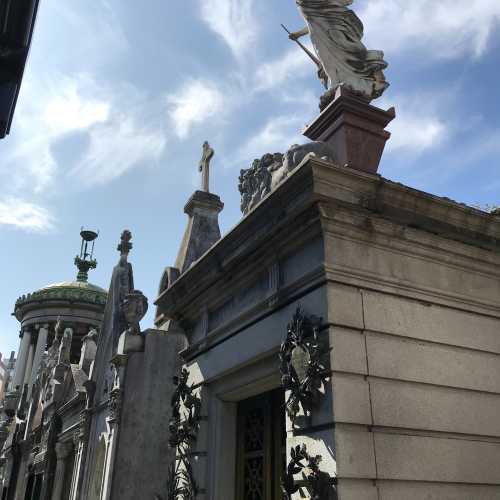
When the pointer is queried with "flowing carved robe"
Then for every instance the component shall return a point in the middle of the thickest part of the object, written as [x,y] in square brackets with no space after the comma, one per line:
[336,34]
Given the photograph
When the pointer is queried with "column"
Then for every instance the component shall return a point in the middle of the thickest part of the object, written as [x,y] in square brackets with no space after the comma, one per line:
[63,451]
[21,360]
[29,364]
[39,351]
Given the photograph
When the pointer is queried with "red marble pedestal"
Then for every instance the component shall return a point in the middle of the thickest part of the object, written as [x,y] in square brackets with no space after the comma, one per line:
[354,129]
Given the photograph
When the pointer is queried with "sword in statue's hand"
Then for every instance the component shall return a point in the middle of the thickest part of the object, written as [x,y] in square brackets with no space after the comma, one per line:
[321,70]
[304,48]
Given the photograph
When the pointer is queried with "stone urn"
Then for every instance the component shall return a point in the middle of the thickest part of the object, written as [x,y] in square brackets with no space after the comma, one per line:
[134,307]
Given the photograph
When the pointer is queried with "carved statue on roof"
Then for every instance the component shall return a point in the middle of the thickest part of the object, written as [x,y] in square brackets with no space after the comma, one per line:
[336,34]
[65,347]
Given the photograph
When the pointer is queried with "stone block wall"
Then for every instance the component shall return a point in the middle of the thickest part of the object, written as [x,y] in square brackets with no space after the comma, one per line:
[416,401]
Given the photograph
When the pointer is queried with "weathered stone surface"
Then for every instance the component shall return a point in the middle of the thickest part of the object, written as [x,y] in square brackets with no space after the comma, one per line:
[431,408]
[348,350]
[419,361]
[147,396]
[202,231]
[351,399]
[408,318]
[345,307]
[355,453]
[390,490]
[448,460]
[358,489]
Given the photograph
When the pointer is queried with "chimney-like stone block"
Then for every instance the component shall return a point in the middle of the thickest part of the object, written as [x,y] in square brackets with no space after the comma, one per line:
[354,129]
[202,231]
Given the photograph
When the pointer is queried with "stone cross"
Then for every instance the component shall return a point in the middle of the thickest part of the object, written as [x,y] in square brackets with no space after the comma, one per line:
[208,154]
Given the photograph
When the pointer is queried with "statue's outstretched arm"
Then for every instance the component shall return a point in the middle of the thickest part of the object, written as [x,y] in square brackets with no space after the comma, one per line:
[298,34]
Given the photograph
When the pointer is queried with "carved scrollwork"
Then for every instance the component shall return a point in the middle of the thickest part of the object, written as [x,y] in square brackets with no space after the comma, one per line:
[82,433]
[302,367]
[115,404]
[319,484]
[183,426]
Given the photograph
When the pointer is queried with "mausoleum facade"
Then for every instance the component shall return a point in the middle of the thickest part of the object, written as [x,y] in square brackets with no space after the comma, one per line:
[341,342]
[355,320]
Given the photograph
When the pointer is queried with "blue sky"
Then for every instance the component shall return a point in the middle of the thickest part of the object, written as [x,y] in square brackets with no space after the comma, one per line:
[118,98]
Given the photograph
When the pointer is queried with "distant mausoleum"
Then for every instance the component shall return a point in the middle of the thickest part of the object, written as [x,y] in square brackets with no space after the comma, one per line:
[59,325]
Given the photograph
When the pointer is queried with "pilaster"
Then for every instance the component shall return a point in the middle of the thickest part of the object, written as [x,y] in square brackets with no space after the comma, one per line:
[63,451]
[22,360]
[41,344]
[29,363]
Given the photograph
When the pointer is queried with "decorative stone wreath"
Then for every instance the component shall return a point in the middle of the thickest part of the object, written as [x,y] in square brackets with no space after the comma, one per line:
[319,484]
[302,365]
[183,427]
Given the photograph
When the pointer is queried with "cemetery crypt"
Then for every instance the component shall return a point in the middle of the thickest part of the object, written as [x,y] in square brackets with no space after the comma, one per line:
[340,342]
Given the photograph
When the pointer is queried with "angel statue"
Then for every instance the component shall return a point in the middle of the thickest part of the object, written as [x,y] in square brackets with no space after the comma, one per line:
[336,34]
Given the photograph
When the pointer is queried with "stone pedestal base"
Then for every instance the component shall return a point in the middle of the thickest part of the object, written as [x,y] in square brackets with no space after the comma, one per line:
[202,230]
[354,129]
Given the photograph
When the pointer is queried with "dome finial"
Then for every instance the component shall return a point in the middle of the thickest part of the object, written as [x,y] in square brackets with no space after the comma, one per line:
[85,261]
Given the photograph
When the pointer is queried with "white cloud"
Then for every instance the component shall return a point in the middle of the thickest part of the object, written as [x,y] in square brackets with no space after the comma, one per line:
[415,132]
[24,215]
[115,147]
[116,140]
[418,126]
[68,110]
[277,135]
[233,20]
[195,103]
[293,64]
[444,29]
[95,27]
[49,110]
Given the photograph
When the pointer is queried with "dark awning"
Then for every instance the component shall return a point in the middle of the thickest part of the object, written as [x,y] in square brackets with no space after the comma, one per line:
[17,19]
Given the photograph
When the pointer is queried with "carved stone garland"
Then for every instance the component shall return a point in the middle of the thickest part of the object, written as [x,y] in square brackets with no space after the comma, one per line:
[183,427]
[303,372]
[316,482]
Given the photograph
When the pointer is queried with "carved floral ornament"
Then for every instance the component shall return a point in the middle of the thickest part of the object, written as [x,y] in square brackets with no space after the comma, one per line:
[303,376]
[302,365]
[115,404]
[317,483]
[183,426]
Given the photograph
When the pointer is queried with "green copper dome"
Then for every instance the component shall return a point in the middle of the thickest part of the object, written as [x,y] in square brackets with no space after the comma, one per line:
[71,291]
[79,292]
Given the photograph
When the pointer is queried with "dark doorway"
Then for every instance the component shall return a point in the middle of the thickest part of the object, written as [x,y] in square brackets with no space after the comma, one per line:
[261,447]
[29,487]
[34,487]
[38,487]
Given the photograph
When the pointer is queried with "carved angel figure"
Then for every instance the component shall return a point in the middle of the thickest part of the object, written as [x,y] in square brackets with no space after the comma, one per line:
[336,33]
